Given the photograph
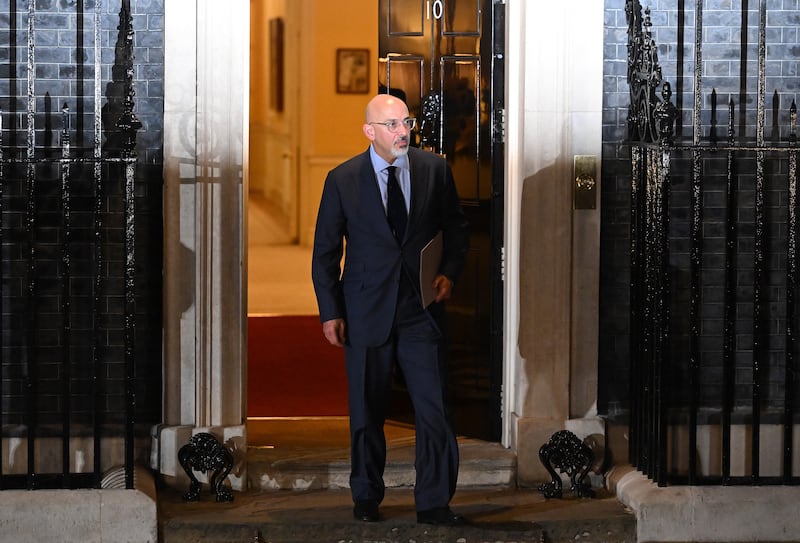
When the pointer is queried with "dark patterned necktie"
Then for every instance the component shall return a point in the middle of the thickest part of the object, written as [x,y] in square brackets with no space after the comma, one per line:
[396,206]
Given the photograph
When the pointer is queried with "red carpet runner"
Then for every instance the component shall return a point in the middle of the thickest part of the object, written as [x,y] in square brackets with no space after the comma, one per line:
[292,370]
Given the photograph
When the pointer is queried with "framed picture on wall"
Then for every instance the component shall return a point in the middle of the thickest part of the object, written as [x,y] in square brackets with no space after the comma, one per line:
[352,71]
[276,64]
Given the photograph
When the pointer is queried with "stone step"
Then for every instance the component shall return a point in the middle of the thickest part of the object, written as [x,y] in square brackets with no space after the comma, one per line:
[497,515]
[482,464]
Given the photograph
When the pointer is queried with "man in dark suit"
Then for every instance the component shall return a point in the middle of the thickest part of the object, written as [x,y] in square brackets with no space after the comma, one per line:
[380,209]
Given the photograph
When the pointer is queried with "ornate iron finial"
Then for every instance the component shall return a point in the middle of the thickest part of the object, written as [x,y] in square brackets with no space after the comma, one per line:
[712,132]
[128,123]
[776,105]
[644,76]
[665,114]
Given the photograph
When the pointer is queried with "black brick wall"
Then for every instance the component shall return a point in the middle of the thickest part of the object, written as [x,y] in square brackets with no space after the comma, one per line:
[64,56]
[722,64]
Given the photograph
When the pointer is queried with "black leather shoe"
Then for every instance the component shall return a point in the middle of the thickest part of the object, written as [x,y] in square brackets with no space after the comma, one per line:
[440,516]
[366,511]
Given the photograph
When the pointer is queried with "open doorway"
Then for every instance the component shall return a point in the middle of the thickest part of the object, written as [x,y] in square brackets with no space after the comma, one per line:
[292,371]
[301,126]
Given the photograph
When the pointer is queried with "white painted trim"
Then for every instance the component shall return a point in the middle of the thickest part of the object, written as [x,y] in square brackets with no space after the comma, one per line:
[243,202]
[515,60]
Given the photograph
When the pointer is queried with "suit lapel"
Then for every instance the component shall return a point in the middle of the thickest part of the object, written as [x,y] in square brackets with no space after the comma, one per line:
[372,208]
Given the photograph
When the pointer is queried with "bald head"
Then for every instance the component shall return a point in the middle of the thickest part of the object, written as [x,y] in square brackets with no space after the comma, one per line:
[389,144]
[383,106]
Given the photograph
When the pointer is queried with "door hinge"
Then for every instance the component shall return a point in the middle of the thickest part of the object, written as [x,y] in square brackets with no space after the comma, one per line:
[499,126]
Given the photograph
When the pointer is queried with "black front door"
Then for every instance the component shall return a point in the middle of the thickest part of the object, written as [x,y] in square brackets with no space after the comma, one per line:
[445,58]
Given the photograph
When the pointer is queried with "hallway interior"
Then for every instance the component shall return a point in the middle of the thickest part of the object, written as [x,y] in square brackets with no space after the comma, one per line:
[279,270]
[279,283]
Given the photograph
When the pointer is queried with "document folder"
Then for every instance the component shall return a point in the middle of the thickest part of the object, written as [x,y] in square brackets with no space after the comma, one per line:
[430,257]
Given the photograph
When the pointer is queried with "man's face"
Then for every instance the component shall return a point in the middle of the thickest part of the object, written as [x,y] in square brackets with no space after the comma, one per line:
[389,143]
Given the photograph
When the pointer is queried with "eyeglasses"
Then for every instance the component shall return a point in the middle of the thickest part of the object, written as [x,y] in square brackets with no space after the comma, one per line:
[393,125]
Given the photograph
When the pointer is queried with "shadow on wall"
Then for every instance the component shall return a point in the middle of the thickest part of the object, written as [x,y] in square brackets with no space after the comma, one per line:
[545,255]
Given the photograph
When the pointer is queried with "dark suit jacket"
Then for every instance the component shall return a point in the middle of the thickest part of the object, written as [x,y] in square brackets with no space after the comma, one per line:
[365,293]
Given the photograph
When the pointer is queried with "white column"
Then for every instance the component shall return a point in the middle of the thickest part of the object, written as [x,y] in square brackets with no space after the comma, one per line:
[205,134]
[552,250]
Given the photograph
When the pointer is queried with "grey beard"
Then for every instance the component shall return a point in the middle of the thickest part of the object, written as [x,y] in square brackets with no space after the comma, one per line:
[397,153]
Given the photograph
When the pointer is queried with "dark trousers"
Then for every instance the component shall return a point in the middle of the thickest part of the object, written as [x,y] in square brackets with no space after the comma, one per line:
[419,350]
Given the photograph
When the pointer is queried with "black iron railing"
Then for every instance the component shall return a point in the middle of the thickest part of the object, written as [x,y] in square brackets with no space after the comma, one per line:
[68,238]
[714,275]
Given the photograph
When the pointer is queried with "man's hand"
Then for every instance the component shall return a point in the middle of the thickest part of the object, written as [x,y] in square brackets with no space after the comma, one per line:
[443,286]
[333,330]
